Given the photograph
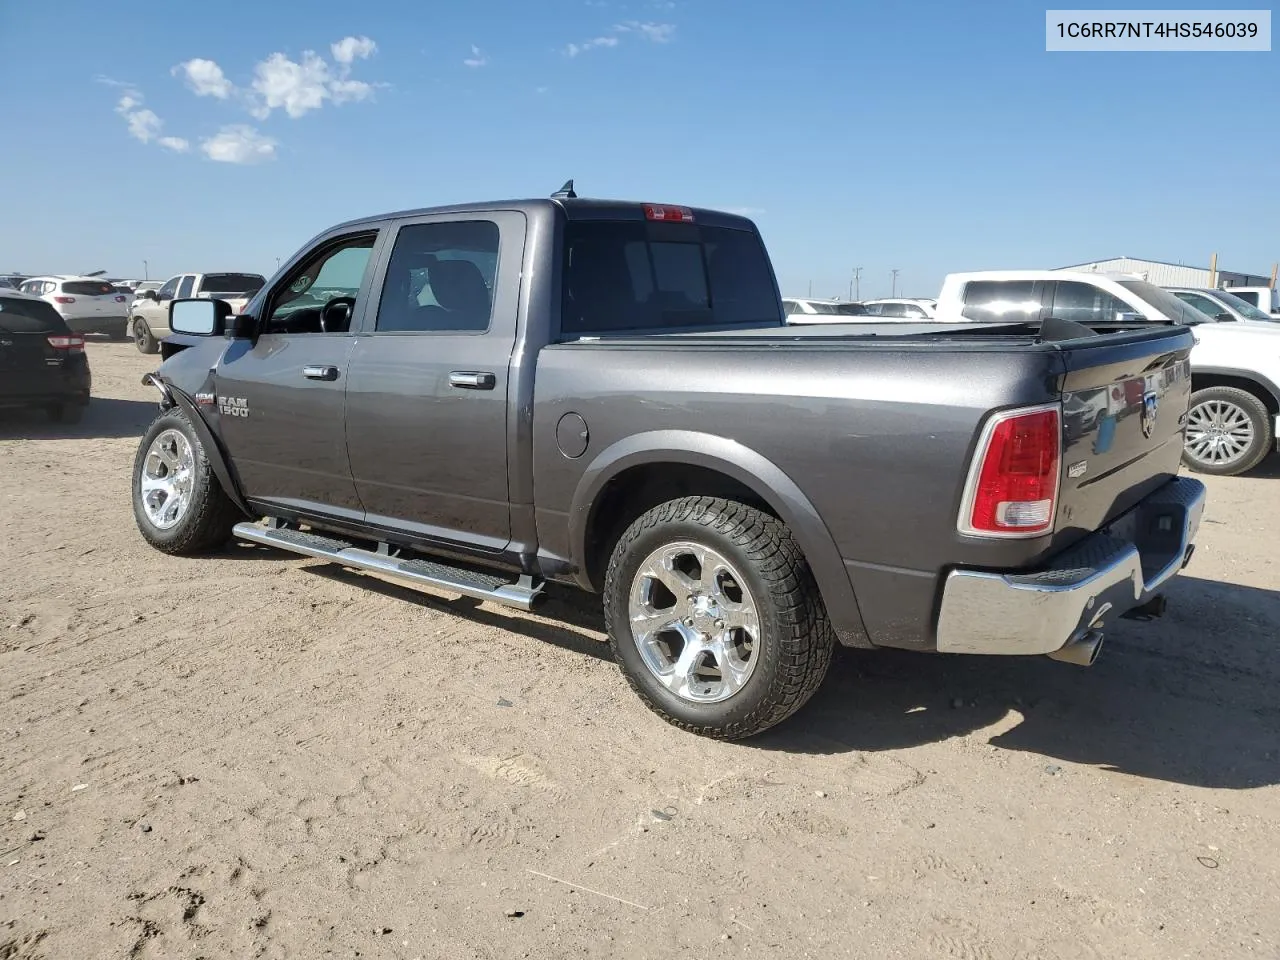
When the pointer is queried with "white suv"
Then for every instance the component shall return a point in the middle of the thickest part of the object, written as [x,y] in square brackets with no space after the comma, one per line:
[86,304]
[1235,366]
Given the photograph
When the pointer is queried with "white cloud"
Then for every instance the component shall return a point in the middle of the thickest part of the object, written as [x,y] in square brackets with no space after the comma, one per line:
[205,78]
[477,59]
[349,49]
[239,144]
[298,87]
[653,32]
[176,144]
[143,124]
[111,82]
[294,87]
[574,49]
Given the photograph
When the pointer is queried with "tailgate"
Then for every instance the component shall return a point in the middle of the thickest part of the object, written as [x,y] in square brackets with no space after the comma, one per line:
[1124,406]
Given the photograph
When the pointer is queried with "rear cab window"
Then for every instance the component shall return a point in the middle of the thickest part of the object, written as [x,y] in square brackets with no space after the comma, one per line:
[636,275]
[1001,301]
[29,316]
[242,284]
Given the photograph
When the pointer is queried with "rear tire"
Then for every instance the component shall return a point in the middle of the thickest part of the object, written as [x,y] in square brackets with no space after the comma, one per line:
[740,552]
[143,339]
[1229,432]
[173,466]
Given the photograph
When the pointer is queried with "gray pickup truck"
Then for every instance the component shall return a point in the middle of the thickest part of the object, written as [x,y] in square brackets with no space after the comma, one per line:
[494,398]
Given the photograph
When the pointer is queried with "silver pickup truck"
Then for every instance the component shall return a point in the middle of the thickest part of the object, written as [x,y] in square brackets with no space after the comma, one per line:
[501,399]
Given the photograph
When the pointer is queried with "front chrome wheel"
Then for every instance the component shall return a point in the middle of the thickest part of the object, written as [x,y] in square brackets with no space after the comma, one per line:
[694,622]
[1219,433]
[168,471]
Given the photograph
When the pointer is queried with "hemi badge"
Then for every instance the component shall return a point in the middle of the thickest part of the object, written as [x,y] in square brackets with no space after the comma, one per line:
[205,399]
[1077,469]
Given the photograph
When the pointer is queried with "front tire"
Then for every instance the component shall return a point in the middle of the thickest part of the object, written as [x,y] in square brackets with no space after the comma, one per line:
[143,339]
[178,504]
[714,617]
[1229,432]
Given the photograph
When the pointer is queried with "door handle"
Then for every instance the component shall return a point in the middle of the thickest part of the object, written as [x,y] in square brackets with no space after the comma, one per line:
[320,373]
[472,380]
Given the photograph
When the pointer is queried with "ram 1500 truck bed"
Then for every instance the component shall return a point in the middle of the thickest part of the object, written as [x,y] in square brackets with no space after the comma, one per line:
[494,399]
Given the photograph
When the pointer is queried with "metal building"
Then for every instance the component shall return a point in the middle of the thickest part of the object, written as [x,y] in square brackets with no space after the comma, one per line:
[1164,274]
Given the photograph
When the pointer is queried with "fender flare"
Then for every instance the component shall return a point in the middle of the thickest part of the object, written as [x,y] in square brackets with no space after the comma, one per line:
[1251,375]
[752,470]
[217,456]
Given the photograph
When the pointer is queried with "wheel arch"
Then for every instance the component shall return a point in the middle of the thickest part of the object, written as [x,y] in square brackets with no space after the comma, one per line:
[673,463]
[1263,388]
[213,451]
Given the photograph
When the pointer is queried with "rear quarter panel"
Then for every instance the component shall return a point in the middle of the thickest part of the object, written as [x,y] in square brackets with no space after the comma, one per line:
[876,438]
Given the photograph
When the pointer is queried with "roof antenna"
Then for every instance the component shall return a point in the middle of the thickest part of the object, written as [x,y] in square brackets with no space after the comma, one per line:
[565,192]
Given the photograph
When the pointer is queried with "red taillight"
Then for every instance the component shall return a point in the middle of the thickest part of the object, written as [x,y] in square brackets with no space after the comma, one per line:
[64,299]
[1014,489]
[70,342]
[120,299]
[658,211]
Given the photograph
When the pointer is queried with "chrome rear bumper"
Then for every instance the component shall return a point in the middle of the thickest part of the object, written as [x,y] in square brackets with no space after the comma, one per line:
[1103,576]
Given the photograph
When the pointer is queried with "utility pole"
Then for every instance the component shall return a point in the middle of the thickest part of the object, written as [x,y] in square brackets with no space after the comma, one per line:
[811,289]
[895,282]
[857,283]
[145,275]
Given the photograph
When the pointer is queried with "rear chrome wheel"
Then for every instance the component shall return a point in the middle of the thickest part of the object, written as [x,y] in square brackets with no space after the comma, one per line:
[167,474]
[1229,431]
[714,617]
[694,622]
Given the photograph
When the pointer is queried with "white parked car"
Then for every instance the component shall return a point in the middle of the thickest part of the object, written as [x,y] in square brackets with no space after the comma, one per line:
[808,310]
[901,308]
[86,304]
[149,313]
[1221,304]
[1266,299]
[1235,367]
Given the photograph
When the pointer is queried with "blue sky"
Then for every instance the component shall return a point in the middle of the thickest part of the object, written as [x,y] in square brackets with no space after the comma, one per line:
[927,137]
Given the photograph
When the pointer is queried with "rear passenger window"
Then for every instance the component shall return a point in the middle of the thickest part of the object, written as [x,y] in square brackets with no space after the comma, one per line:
[1085,303]
[184,288]
[1001,301]
[440,278]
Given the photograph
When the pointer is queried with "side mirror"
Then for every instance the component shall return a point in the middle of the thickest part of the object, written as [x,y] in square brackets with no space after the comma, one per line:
[199,318]
[149,295]
[242,327]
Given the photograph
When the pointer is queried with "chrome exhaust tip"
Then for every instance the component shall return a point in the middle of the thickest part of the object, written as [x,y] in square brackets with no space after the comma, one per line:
[1081,652]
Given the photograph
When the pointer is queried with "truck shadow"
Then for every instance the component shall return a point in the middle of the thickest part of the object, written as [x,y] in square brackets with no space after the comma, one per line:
[564,621]
[106,418]
[1191,698]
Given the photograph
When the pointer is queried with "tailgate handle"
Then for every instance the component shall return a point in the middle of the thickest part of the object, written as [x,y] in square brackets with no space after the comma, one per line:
[472,380]
[320,373]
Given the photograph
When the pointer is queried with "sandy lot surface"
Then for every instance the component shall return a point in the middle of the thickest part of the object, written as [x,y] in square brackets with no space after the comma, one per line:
[251,755]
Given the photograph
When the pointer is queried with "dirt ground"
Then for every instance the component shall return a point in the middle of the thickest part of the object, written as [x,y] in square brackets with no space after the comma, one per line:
[251,755]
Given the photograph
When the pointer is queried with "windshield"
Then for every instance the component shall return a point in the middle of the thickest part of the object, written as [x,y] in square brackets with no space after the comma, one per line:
[87,288]
[826,309]
[1164,301]
[231,283]
[1244,307]
[851,309]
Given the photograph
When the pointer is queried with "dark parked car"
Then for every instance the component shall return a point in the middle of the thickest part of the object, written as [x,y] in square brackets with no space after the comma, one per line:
[496,398]
[42,363]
